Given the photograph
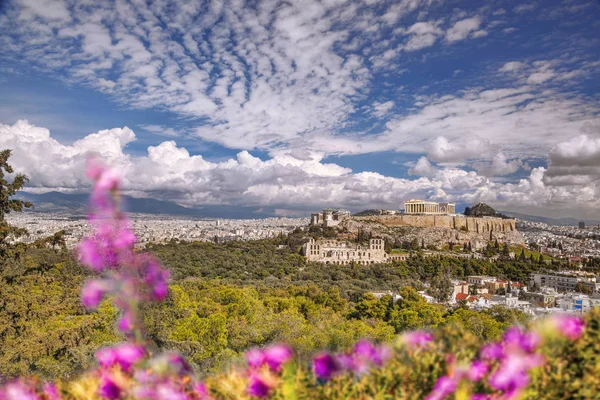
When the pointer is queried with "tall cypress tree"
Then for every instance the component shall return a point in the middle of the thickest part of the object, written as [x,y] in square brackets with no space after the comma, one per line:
[7,204]
[7,190]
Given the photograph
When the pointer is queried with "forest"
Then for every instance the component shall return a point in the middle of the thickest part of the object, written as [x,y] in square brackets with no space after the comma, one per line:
[224,299]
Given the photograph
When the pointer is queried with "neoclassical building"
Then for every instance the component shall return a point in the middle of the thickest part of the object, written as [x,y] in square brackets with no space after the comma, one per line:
[428,207]
[337,252]
[329,217]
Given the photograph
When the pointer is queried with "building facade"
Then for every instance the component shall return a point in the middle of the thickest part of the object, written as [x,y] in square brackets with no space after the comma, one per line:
[479,280]
[565,282]
[337,252]
[428,207]
[329,217]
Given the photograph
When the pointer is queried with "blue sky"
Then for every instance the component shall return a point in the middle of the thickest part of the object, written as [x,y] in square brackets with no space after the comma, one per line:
[302,105]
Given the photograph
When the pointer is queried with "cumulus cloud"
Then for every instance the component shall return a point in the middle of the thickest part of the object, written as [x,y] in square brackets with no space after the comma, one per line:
[423,168]
[287,180]
[445,151]
[500,165]
[463,28]
[575,162]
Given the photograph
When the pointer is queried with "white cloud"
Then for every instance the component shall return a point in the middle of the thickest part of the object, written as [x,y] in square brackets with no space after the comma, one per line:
[500,165]
[575,161]
[512,66]
[381,109]
[521,121]
[287,180]
[462,29]
[422,35]
[161,130]
[540,77]
[458,151]
[523,8]
[423,168]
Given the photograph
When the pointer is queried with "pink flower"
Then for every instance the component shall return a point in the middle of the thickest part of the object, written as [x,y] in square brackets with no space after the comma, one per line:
[124,239]
[418,338]
[258,386]
[166,391]
[492,351]
[108,180]
[325,366]
[155,277]
[90,255]
[201,391]
[347,362]
[477,370]
[255,358]
[51,391]
[511,375]
[18,391]
[125,323]
[125,355]
[569,326]
[92,292]
[444,386]
[527,341]
[277,355]
[94,168]
[364,349]
[382,354]
[108,388]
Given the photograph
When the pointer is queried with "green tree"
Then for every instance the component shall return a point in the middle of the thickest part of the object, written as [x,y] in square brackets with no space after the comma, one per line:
[7,204]
[441,287]
[8,190]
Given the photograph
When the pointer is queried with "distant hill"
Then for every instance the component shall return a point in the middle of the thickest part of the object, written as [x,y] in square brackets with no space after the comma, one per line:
[551,221]
[77,204]
[483,210]
[367,213]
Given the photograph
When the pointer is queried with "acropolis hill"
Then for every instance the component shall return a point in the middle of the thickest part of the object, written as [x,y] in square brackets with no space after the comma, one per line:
[465,224]
[428,223]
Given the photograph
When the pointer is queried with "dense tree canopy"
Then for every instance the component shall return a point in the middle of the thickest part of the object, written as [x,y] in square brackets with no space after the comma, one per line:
[224,299]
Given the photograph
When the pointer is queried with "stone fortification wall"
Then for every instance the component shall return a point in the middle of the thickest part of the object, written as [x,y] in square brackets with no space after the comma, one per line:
[468,224]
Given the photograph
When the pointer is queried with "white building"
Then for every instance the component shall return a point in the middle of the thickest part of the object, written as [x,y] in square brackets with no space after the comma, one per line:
[578,303]
[338,252]
[428,207]
[329,217]
[565,281]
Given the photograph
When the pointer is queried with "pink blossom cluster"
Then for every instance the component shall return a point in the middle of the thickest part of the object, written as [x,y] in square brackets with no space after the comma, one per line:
[363,356]
[263,367]
[29,390]
[125,371]
[505,364]
[131,277]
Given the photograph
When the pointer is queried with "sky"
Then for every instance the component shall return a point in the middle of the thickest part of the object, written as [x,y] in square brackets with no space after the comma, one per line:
[308,104]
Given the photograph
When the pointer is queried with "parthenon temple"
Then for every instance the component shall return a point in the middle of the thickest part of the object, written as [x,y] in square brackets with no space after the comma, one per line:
[428,207]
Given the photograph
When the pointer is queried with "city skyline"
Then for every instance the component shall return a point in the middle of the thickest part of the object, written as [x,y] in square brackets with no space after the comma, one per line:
[298,106]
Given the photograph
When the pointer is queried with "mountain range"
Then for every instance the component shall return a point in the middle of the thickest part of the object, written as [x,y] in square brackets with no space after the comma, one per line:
[77,204]
[567,221]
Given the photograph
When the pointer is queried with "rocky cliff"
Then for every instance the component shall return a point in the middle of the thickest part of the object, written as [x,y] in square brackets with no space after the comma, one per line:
[436,230]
